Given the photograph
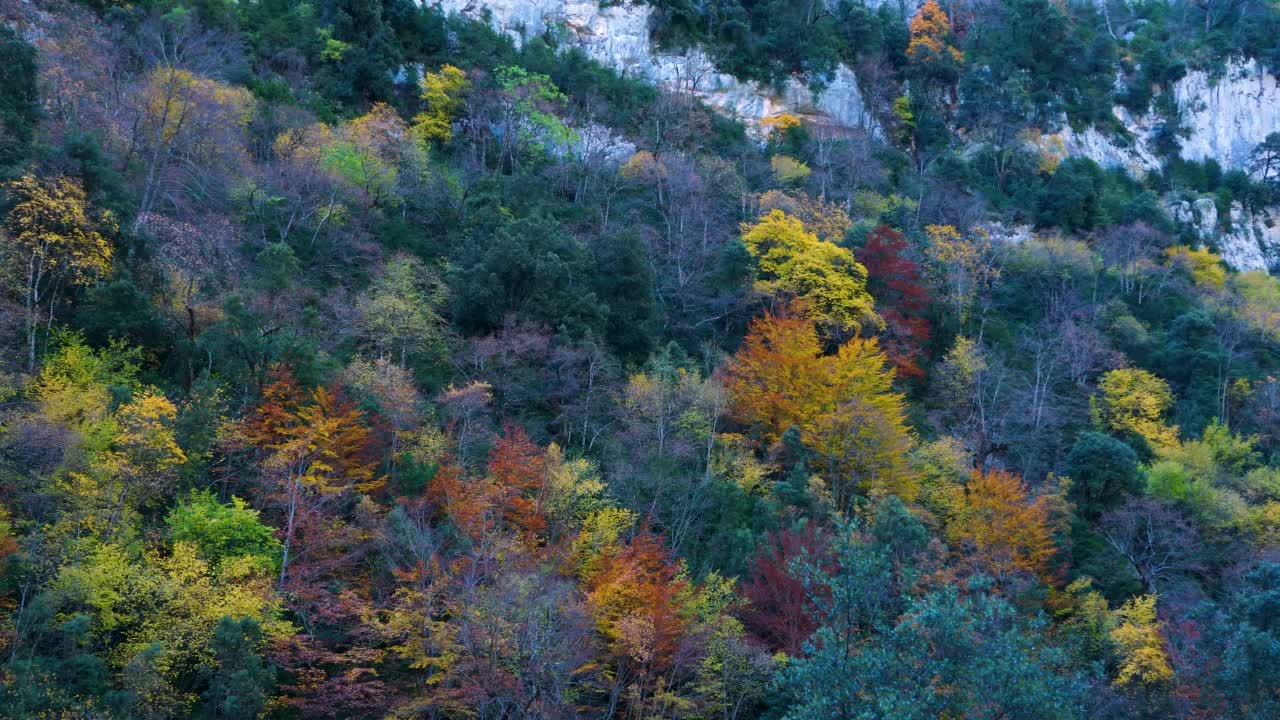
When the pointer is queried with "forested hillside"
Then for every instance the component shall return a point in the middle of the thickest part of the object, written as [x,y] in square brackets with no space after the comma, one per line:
[359,359]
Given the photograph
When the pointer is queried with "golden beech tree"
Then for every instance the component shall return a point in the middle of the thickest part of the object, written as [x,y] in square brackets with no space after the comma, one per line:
[146,453]
[53,239]
[1002,527]
[963,267]
[826,220]
[1130,638]
[1135,401]
[794,263]
[187,123]
[443,93]
[842,404]
[1204,267]
[1140,644]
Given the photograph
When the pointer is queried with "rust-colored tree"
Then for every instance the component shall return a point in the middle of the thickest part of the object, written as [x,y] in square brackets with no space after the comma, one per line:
[637,599]
[518,469]
[1002,528]
[510,494]
[895,281]
[318,448]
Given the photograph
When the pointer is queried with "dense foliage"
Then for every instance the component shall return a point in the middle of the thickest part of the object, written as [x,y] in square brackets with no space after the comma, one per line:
[358,363]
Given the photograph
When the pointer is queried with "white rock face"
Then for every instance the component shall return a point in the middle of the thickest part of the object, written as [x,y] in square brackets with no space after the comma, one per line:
[1003,234]
[618,36]
[1137,157]
[1225,118]
[1250,242]
[1253,242]
[1228,119]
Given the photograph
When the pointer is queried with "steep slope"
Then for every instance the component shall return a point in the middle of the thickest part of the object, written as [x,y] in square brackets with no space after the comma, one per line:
[1222,117]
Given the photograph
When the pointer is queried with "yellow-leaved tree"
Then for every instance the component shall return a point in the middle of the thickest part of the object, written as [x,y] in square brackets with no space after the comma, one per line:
[442,92]
[1139,644]
[1128,638]
[1001,527]
[963,267]
[930,51]
[1204,267]
[158,613]
[129,453]
[1135,401]
[186,121]
[318,448]
[794,263]
[53,240]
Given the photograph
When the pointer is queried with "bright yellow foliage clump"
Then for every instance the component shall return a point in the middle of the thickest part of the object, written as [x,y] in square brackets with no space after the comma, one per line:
[1205,268]
[175,599]
[781,123]
[443,92]
[51,229]
[794,262]
[177,99]
[826,220]
[1139,644]
[1134,400]
[1260,302]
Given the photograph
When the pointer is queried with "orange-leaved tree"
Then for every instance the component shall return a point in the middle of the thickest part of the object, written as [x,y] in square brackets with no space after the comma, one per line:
[638,600]
[930,52]
[518,470]
[318,447]
[508,497]
[843,405]
[1002,527]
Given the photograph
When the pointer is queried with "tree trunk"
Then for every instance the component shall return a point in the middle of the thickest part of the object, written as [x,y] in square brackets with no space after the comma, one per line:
[289,528]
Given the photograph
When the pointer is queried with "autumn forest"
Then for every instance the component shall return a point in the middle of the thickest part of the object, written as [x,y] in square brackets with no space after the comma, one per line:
[364,359]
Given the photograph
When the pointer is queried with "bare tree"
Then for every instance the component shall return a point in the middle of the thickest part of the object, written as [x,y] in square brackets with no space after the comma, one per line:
[187,127]
[1156,540]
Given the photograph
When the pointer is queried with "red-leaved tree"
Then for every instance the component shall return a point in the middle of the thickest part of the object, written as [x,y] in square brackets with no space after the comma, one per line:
[781,613]
[893,279]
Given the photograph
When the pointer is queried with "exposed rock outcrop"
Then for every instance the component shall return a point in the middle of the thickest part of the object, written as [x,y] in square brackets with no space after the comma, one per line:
[1250,240]
[618,36]
[1224,119]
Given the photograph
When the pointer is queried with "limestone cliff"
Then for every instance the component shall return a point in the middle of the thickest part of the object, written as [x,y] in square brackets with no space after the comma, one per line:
[1223,119]
[1224,116]
[1247,240]
[618,36]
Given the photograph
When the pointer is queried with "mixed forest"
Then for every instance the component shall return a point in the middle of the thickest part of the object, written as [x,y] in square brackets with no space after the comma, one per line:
[357,361]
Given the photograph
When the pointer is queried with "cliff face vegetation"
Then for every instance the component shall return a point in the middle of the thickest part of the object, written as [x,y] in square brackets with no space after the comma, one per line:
[735,360]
